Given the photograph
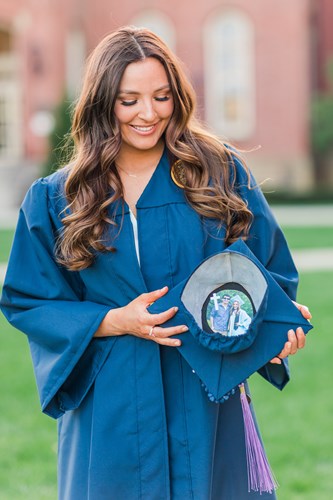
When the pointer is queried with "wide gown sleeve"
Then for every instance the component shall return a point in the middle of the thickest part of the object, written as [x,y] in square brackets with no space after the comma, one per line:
[267,242]
[45,301]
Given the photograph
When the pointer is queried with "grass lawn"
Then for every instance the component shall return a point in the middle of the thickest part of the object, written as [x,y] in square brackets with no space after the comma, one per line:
[296,424]
[309,237]
[297,237]
[6,237]
[27,438]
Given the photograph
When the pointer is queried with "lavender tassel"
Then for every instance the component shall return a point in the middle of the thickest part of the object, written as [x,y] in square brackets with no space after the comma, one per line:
[259,474]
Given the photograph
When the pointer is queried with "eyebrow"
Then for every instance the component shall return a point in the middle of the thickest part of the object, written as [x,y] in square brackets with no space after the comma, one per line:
[134,92]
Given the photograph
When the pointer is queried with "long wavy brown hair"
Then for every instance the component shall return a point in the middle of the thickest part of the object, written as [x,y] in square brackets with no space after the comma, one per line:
[207,163]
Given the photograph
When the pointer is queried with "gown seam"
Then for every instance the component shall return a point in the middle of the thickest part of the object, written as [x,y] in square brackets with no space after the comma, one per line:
[165,435]
[135,238]
[131,234]
[186,432]
[171,272]
[137,429]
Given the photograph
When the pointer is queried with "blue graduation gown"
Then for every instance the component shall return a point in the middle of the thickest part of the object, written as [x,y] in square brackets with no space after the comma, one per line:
[134,419]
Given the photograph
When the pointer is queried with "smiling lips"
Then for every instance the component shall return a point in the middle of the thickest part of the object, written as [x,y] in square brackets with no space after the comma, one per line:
[144,130]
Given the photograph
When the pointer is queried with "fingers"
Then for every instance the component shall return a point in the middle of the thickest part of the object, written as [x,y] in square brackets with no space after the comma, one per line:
[148,325]
[137,320]
[285,351]
[301,338]
[168,342]
[162,335]
[276,361]
[296,340]
[168,332]
[150,297]
[304,310]
[293,341]
[159,319]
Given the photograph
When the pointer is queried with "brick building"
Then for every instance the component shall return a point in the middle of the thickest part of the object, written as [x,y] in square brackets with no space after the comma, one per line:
[253,64]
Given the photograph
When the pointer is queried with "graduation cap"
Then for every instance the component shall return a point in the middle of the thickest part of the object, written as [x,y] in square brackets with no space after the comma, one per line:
[222,361]
[237,298]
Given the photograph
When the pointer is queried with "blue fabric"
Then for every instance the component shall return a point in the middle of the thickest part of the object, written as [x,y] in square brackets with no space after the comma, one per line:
[223,362]
[134,419]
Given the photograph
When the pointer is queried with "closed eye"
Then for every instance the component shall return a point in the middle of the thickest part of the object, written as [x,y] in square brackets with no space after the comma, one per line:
[134,101]
[162,99]
[129,103]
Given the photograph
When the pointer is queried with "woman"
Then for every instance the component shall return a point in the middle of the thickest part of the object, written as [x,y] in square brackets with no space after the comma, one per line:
[239,320]
[105,237]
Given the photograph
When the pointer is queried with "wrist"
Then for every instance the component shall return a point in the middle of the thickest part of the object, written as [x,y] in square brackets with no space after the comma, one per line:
[110,325]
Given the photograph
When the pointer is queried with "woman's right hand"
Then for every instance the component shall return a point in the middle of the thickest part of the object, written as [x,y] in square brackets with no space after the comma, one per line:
[134,319]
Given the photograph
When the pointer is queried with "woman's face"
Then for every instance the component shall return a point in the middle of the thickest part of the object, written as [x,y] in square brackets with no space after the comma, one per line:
[144,104]
[236,305]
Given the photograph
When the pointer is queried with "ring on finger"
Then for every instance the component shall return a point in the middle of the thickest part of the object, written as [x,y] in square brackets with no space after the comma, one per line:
[151,331]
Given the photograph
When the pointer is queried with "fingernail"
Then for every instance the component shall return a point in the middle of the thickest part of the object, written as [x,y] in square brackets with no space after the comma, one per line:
[177,342]
[184,329]
[307,310]
[175,309]
[162,289]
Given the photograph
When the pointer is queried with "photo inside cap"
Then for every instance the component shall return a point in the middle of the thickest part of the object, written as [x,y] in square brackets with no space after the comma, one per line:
[224,293]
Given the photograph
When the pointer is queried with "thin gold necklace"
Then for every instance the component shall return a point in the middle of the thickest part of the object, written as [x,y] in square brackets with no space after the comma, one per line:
[127,173]
[135,176]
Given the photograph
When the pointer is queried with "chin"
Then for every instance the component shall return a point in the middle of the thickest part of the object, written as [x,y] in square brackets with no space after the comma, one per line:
[144,145]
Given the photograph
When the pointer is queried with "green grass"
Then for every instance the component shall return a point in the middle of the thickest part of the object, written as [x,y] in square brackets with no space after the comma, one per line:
[297,423]
[297,237]
[27,437]
[309,237]
[6,238]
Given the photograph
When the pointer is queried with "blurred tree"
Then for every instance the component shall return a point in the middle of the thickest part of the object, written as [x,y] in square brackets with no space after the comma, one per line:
[60,141]
[322,133]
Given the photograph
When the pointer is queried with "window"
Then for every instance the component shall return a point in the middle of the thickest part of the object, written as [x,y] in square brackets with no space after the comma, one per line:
[10,129]
[230,74]
[159,23]
[75,58]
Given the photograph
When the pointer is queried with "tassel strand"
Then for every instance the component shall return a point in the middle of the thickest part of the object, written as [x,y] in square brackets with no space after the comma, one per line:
[259,473]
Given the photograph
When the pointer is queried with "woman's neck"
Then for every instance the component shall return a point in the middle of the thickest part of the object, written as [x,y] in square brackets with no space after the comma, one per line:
[139,162]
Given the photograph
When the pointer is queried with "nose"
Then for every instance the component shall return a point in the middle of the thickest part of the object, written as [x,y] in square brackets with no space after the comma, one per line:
[147,111]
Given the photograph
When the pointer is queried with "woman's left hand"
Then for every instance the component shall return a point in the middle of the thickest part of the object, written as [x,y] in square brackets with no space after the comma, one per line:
[296,339]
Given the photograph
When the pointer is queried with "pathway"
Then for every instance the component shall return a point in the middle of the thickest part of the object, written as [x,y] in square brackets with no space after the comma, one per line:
[320,259]
[287,215]
[304,215]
